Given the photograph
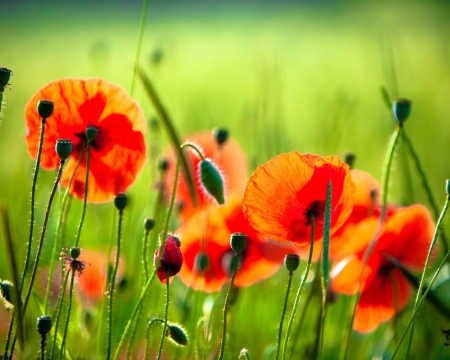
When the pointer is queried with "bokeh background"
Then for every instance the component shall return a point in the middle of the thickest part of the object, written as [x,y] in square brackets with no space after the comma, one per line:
[281,76]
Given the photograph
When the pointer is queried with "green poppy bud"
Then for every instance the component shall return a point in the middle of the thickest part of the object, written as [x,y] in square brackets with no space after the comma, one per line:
[349,159]
[291,261]
[5,289]
[120,201]
[238,242]
[91,132]
[149,223]
[447,187]
[5,75]
[401,109]
[44,324]
[212,180]
[202,261]
[177,334]
[45,108]
[163,164]
[63,148]
[220,135]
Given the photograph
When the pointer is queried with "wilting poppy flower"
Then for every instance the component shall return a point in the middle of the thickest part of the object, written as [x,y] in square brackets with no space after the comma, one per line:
[92,282]
[207,253]
[117,153]
[171,258]
[405,238]
[284,192]
[230,160]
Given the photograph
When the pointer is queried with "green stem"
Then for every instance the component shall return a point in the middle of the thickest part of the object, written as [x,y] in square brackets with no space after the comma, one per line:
[422,280]
[300,289]
[88,157]
[69,307]
[384,192]
[113,284]
[144,256]
[58,312]
[225,307]
[280,329]
[419,304]
[166,310]
[43,340]
[426,187]
[147,347]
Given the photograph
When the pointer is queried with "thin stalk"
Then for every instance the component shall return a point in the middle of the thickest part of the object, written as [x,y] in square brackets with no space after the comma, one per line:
[280,329]
[15,273]
[147,346]
[300,289]
[42,348]
[1,101]
[426,187]
[86,182]
[113,284]
[225,308]
[69,307]
[416,309]
[158,260]
[422,280]
[144,256]
[384,192]
[166,310]
[58,312]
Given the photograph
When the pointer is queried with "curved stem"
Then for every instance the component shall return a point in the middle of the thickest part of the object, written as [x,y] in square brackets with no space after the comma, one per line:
[185,145]
[165,313]
[113,284]
[300,289]
[86,183]
[422,279]
[69,307]
[147,347]
[384,192]
[225,308]
[58,312]
[280,329]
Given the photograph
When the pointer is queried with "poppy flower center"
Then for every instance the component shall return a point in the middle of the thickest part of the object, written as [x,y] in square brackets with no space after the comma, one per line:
[316,209]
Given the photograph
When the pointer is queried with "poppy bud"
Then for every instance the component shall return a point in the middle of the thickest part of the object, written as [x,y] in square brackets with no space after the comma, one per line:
[447,187]
[349,159]
[91,132]
[5,289]
[220,135]
[63,148]
[212,180]
[177,334]
[202,261]
[291,261]
[120,201]
[401,109]
[44,324]
[45,108]
[149,223]
[171,258]
[238,242]
[5,75]
[74,252]
[163,164]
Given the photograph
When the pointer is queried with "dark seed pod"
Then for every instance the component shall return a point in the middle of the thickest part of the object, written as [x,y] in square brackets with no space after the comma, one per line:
[120,201]
[45,108]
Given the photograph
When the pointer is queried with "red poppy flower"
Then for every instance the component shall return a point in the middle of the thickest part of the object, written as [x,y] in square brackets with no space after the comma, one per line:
[208,233]
[117,153]
[405,237]
[230,160]
[171,258]
[283,193]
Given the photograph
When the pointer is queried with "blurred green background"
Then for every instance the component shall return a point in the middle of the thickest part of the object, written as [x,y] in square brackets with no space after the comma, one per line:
[280,76]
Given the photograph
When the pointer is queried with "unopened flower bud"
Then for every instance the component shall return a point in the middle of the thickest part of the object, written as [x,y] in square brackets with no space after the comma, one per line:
[45,108]
[91,132]
[177,334]
[220,135]
[149,223]
[5,75]
[163,164]
[349,159]
[212,180]
[291,261]
[63,148]
[401,109]
[120,201]
[6,289]
[238,242]
[44,324]
[202,261]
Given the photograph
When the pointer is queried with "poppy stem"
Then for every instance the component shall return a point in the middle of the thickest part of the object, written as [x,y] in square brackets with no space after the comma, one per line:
[426,187]
[225,306]
[427,261]
[300,289]
[147,346]
[58,311]
[86,182]
[280,329]
[196,149]
[418,305]
[112,286]
[384,192]
[165,312]
[69,307]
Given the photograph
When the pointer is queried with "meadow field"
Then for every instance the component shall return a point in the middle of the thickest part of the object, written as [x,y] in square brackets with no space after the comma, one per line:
[280,77]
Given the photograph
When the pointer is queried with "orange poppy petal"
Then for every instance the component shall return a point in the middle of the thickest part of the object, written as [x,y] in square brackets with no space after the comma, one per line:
[381,300]
[117,153]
